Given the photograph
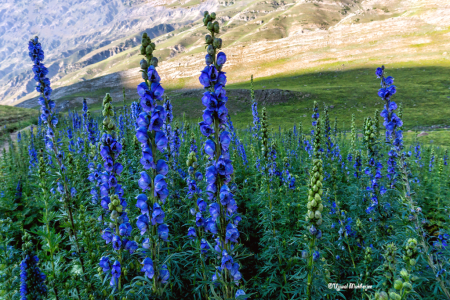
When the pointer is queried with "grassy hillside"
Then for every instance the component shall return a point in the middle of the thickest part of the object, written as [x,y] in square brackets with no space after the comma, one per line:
[424,92]
[14,118]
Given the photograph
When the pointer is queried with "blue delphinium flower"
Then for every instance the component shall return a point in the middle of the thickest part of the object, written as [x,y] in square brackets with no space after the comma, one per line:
[392,122]
[116,271]
[85,116]
[164,274]
[148,267]
[32,150]
[432,158]
[32,280]
[316,255]
[214,127]
[105,264]
[150,132]
[256,121]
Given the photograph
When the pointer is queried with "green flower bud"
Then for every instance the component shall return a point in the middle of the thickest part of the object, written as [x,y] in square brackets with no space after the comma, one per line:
[144,35]
[154,62]
[142,50]
[317,215]
[412,262]
[216,27]
[394,296]
[119,208]
[210,50]
[208,39]
[149,50]
[217,43]
[404,273]
[144,64]
[114,214]
[210,26]
[407,286]
[213,15]
[398,284]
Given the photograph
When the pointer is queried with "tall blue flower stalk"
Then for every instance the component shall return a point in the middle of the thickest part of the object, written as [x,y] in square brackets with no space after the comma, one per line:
[32,151]
[392,122]
[112,195]
[48,116]
[85,115]
[373,171]
[223,208]
[153,180]
[32,280]
[197,209]
[256,121]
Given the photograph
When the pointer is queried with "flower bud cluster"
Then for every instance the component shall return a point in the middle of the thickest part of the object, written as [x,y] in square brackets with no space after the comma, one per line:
[410,252]
[370,138]
[402,285]
[390,260]
[192,160]
[147,48]
[368,256]
[315,206]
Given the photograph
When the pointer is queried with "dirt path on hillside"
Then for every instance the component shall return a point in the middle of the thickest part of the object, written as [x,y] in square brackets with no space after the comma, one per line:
[13,137]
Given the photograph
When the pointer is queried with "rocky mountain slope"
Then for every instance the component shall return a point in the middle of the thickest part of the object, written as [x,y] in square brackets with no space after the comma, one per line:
[78,33]
[264,38]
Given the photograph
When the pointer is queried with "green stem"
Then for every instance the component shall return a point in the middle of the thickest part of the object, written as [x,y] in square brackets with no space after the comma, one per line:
[310,267]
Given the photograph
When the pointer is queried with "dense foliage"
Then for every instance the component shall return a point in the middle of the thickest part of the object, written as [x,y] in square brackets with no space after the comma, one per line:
[135,205]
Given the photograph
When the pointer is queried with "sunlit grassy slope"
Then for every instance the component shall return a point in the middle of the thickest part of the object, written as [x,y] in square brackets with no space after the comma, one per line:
[15,118]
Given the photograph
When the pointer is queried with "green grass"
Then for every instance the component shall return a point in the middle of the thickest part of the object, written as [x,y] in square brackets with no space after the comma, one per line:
[423,91]
[436,137]
[15,118]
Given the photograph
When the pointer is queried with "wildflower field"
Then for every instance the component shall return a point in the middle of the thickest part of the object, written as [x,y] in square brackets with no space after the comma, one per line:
[134,204]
